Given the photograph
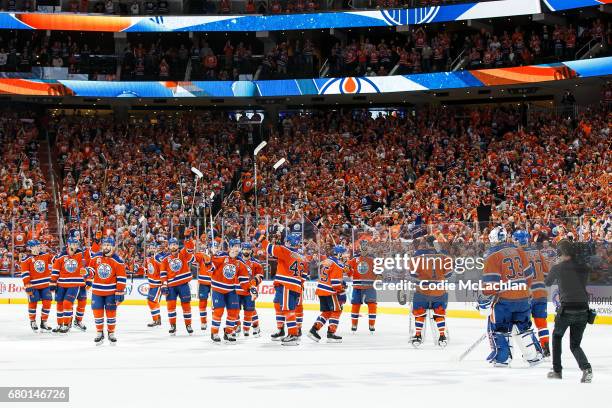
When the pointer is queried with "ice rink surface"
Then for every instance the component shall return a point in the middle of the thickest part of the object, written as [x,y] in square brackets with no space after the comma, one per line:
[148,368]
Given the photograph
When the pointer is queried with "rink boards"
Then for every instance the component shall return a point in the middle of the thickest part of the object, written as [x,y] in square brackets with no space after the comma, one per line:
[13,292]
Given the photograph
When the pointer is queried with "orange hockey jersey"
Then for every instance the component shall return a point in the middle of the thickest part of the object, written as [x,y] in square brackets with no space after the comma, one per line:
[290,267]
[108,274]
[330,277]
[256,275]
[175,270]
[229,274]
[506,263]
[361,270]
[539,265]
[205,268]
[66,271]
[152,269]
[36,270]
[432,269]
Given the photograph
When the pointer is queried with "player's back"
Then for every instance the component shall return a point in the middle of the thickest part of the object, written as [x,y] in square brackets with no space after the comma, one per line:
[330,277]
[539,266]
[290,265]
[432,269]
[506,263]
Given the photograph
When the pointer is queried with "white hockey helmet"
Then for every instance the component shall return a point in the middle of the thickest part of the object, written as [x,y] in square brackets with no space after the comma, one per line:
[497,235]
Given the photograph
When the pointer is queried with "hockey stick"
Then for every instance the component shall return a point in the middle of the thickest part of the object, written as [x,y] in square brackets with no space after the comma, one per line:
[198,176]
[472,347]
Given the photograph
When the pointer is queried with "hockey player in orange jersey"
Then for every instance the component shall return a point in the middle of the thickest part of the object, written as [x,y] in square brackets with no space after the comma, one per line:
[507,264]
[361,270]
[176,275]
[106,269]
[332,295]
[66,279]
[36,275]
[287,286]
[152,268]
[205,269]
[250,318]
[539,293]
[433,267]
[229,272]
[83,290]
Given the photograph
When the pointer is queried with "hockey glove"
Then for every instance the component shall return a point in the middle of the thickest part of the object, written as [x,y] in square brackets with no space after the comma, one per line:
[484,304]
[254,293]
[119,297]
[164,290]
[342,297]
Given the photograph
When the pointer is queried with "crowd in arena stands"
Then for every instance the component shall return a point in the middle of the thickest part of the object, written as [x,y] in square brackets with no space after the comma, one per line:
[387,176]
[23,195]
[166,56]
[422,50]
[227,61]
[438,167]
[151,177]
[86,53]
[160,60]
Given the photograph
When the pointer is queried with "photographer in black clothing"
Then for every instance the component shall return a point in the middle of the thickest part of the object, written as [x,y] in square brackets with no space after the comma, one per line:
[571,276]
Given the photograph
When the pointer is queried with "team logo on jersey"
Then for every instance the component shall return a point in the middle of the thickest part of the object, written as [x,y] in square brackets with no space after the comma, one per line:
[229,271]
[40,266]
[104,271]
[363,268]
[176,264]
[143,289]
[151,269]
[71,265]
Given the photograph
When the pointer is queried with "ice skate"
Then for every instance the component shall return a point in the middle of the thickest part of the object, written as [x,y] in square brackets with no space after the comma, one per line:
[416,340]
[314,335]
[333,338]
[99,339]
[442,341]
[33,326]
[189,329]
[44,328]
[279,335]
[256,332]
[112,338]
[79,325]
[172,330]
[154,323]
[290,340]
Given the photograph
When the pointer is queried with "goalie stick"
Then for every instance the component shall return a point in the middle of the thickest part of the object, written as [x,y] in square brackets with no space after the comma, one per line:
[472,347]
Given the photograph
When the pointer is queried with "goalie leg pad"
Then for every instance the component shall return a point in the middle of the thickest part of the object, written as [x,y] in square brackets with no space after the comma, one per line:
[530,346]
[501,352]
